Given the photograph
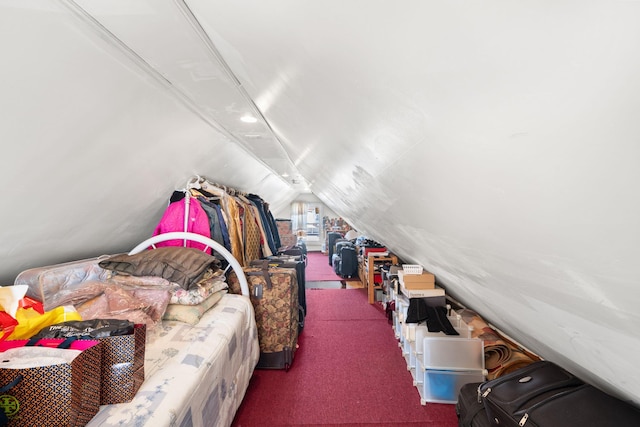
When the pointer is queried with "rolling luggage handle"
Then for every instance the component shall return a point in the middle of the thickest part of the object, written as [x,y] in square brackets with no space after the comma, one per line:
[264,272]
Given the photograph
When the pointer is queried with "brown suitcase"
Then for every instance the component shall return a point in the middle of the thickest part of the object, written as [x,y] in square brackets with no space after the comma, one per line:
[274,295]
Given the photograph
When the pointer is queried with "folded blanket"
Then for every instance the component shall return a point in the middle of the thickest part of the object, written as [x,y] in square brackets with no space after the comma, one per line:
[213,282]
[184,266]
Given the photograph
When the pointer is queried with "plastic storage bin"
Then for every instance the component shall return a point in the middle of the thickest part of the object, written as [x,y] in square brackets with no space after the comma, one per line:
[453,353]
[440,386]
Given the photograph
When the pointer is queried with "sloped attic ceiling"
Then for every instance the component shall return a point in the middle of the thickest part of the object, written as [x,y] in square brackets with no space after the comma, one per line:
[494,143]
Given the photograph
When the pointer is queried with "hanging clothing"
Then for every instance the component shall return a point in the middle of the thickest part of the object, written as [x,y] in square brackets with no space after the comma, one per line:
[223,227]
[173,219]
[264,245]
[274,226]
[214,224]
[266,226]
[235,230]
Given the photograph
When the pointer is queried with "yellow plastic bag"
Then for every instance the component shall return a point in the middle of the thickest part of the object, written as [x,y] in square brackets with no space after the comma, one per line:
[30,322]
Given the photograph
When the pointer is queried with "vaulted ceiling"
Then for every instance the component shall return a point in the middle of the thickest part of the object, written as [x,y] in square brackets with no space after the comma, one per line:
[495,143]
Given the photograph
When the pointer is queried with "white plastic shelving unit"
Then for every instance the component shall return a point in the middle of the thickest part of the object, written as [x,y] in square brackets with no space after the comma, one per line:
[439,364]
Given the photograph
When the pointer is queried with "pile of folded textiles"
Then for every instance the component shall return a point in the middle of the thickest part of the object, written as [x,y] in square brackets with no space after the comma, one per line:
[170,283]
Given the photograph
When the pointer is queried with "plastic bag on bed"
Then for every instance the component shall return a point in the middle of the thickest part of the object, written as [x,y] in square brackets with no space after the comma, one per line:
[89,289]
[68,283]
[138,304]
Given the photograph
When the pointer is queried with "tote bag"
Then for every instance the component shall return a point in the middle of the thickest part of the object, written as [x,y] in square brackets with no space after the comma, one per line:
[50,386]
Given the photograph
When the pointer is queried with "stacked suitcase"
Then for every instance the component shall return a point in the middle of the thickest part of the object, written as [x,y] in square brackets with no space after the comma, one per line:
[298,250]
[274,295]
[288,261]
[345,259]
[332,237]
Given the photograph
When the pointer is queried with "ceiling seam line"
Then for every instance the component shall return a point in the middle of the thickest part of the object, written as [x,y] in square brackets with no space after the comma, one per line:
[195,23]
[143,65]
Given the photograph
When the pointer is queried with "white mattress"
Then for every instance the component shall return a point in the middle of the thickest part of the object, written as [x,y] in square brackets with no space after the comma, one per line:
[195,375]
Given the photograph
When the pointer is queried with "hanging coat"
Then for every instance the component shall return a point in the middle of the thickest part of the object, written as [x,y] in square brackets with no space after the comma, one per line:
[173,219]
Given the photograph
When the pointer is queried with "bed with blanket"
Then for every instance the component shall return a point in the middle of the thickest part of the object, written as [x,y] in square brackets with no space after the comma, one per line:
[200,350]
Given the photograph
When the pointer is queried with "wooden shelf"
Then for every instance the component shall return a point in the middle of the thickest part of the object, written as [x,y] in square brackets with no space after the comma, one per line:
[372,260]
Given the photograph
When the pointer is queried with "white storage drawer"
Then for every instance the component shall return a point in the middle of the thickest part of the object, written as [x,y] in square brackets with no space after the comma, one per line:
[452,353]
[439,386]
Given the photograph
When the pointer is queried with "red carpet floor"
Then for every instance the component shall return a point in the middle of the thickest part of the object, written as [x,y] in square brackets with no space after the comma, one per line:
[348,371]
[319,270]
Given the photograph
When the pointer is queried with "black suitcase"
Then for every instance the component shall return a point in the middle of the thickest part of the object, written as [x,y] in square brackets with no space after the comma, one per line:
[543,394]
[331,243]
[507,396]
[336,258]
[335,262]
[340,243]
[470,409]
[580,406]
[348,261]
[285,261]
[298,250]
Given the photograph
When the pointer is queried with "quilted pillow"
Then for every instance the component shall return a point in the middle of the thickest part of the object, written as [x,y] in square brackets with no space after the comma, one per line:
[184,266]
[192,313]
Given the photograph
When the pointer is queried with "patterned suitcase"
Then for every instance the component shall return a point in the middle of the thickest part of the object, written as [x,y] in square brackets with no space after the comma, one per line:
[285,261]
[274,295]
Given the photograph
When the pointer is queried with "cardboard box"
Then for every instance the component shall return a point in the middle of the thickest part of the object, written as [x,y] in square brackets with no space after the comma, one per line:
[425,280]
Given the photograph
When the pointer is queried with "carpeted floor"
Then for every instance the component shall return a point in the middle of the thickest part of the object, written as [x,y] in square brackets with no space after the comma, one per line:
[347,371]
[319,270]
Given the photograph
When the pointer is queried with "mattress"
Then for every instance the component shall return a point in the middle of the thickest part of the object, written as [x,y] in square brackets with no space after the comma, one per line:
[195,375]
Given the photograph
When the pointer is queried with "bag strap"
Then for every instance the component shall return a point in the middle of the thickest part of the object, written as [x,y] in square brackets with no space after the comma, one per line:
[66,344]
[264,271]
[11,385]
